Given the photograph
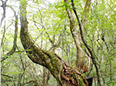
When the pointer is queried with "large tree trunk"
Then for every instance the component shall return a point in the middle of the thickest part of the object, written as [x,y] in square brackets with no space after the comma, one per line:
[64,74]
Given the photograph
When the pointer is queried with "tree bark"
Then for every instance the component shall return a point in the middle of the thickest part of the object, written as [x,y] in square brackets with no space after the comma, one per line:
[64,74]
[92,56]
[11,52]
[82,62]
[85,13]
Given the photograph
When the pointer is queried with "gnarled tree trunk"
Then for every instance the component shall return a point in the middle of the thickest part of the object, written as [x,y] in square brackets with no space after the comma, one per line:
[64,74]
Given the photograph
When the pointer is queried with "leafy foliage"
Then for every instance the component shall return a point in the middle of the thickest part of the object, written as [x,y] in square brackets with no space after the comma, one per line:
[49,27]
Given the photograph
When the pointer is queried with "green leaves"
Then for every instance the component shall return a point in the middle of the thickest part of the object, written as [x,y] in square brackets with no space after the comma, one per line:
[50,21]
[22,2]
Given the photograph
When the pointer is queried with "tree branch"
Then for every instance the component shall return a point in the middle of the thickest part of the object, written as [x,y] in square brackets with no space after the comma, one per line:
[81,55]
[86,45]
[15,37]
[4,11]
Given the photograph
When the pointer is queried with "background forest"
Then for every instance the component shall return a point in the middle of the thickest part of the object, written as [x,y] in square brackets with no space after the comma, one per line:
[81,32]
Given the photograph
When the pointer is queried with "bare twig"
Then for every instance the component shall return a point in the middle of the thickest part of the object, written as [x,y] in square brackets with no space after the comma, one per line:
[103,39]
[7,76]
[51,41]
